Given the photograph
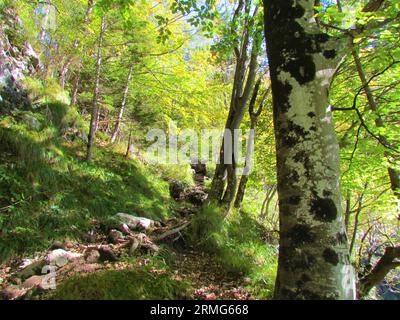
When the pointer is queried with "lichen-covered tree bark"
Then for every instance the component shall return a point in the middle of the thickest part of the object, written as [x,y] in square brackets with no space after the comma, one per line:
[314,254]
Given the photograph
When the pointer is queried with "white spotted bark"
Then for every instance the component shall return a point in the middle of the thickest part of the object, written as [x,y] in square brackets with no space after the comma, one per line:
[314,256]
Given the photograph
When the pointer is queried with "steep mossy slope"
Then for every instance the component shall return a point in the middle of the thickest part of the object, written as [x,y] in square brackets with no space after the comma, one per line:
[48,191]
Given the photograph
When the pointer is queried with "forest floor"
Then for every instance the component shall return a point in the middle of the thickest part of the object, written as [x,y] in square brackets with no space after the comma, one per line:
[207,279]
[201,269]
[201,272]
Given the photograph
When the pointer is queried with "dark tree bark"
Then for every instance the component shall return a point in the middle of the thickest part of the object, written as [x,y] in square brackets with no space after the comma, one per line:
[95,107]
[129,148]
[356,221]
[373,5]
[314,261]
[347,212]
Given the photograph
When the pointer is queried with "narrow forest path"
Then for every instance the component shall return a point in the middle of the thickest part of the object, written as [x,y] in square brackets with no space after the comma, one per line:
[208,279]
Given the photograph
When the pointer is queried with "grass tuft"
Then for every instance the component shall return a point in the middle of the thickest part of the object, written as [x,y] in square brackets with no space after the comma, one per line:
[148,283]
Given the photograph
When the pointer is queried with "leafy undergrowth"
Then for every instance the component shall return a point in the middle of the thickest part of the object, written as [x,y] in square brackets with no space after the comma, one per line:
[236,243]
[48,191]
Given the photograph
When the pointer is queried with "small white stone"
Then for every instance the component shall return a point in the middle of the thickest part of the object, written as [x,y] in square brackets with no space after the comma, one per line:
[25,263]
[134,222]
[60,257]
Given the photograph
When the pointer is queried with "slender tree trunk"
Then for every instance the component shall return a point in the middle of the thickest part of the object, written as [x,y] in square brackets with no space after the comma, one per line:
[63,73]
[347,212]
[241,191]
[250,145]
[97,119]
[122,107]
[94,115]
[75,87]
[356,222]
[264,203]
[248,164]
[314,261]
[270,195]
[239,109]
[225,173]
[89,11]
[129,148]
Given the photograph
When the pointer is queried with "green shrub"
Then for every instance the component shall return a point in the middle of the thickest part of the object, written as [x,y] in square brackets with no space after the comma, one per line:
[48,91]
[34,87]
[31,158]
[178,172]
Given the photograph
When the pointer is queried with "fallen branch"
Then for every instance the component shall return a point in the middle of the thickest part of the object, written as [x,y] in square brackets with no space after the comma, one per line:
[386,263]
[138,241]
[172,232]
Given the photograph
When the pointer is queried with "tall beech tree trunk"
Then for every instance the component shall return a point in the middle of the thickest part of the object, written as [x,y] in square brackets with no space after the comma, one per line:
[224,184]
[122,106]
[314,261]
[95,107]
